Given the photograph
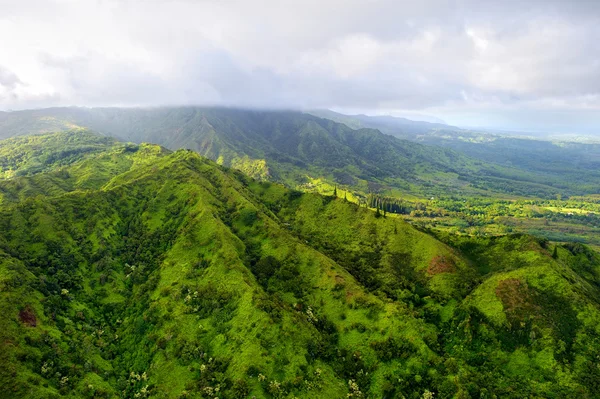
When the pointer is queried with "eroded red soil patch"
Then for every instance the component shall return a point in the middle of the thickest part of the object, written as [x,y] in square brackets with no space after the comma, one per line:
[27,317]
[441,264]
[517,299]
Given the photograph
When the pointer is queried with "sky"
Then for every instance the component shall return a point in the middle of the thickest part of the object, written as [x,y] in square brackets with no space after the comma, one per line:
[517,65]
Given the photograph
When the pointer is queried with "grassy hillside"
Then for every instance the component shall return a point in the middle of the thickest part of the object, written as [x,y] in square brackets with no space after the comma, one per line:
[72,160]
[171,276]
[21,156]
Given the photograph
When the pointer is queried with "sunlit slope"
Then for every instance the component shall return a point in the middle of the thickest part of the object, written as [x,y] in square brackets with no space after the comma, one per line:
[174,277]
[73,160]
[168,267]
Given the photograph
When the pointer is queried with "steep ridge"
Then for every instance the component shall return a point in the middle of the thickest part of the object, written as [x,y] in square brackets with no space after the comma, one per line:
[173,276]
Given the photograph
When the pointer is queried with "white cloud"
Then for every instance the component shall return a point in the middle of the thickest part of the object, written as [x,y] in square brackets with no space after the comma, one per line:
[373,55]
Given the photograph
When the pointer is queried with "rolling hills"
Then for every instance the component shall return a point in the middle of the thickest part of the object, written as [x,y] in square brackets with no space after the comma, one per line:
[133,271]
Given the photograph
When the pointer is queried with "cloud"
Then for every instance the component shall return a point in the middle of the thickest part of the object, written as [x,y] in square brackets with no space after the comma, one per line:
[453,59]
[9,82]
[8,79]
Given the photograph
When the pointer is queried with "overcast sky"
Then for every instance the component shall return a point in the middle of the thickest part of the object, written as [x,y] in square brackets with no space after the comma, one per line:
[530,65]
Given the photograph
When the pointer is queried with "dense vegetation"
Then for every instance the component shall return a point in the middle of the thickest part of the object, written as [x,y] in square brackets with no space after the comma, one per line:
[131,271]
[575,219]
[300,150]
[33,154]
[571,166]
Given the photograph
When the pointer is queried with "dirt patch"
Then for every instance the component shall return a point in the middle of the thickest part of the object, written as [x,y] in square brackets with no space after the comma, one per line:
[517,299]
[27,317]
[441,264]
[349,296]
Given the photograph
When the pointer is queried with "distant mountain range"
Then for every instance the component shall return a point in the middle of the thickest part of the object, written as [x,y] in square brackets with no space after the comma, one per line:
[356,151]
[383,122]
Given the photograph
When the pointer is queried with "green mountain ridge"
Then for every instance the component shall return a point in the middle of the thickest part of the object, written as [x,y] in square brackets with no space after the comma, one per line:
[298,149]
[132,271]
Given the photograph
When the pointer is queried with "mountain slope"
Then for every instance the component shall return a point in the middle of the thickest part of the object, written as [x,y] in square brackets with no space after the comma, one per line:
[400,127]
[176,277]
[300,149]
[73,160]
[30,155]
[568,165]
